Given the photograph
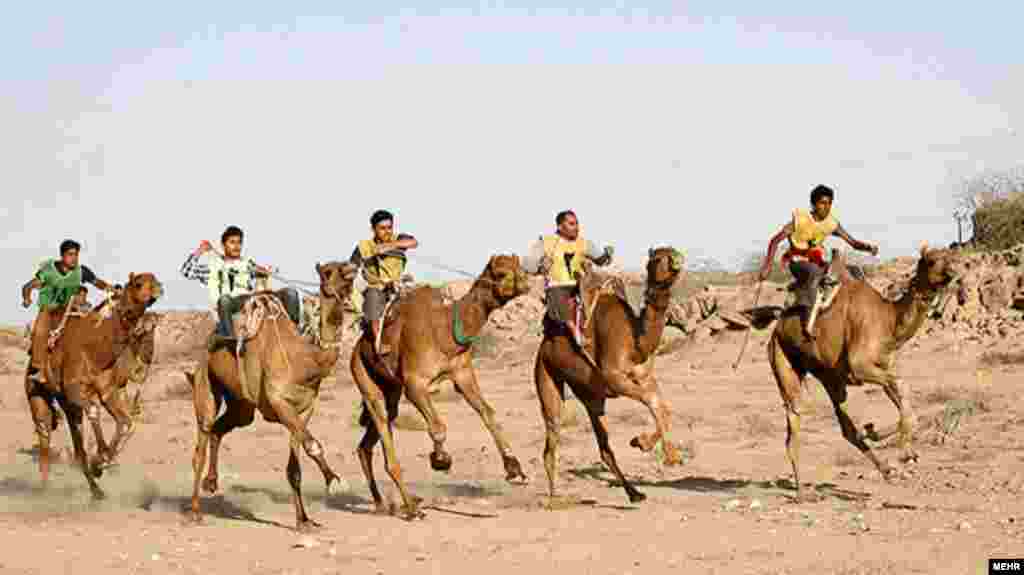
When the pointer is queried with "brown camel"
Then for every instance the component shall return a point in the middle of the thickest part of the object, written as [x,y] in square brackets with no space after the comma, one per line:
[432,341]
[856,339]
[278,373]
[81,368]
[132,366]
[622,345]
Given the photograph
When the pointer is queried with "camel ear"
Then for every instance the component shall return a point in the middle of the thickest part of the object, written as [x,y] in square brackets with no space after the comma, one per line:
[650,252]
[317,268]
[924,248]
[131,276]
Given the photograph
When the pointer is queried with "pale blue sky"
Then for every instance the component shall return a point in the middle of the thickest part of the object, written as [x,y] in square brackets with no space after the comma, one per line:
[140,130]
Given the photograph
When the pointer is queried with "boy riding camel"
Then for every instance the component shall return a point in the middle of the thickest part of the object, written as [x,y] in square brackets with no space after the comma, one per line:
[382,259]
[59,282]
[560,257]
[807,232]
[230,279]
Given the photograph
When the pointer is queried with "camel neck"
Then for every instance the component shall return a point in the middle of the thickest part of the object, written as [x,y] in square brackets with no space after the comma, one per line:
[911,310]
[653,319]
[473,308]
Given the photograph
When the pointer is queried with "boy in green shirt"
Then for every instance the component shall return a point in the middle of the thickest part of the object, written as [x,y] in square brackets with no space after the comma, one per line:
[58,281]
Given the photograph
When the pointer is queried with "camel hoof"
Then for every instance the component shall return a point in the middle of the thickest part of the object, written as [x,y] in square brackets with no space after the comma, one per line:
[210,485]
[412,512]
[307,526]
[909,457]
[514,471]
[196,518]
[642,442]
[637,497]
[336,485]
[98,494]
[440,461]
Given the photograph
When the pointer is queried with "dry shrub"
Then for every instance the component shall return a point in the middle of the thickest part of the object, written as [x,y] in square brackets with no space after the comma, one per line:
[1000,358]
[999,225]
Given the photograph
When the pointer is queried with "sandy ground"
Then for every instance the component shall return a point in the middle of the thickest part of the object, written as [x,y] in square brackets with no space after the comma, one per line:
[727,510]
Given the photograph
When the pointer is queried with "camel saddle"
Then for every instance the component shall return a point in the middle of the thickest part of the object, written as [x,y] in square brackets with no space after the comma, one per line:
[592,286]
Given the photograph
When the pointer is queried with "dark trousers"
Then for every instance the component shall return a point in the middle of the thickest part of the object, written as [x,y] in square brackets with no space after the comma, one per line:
[808,278]
[228,306]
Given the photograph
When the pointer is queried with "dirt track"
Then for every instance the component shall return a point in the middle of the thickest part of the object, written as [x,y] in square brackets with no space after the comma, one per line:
[726,510]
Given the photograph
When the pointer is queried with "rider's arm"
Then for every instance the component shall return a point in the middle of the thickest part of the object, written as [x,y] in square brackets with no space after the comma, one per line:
[356,258]
[214,280]
[855,244]
[32,284]
[193,269]
[773,244]
[88,277]
[405,242]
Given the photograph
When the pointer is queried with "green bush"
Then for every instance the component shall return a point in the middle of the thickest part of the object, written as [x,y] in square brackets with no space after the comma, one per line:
[999,225]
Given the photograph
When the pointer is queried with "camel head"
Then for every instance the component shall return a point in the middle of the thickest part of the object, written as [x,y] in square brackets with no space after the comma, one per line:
[336,282]
[664,266]
[505,277]
[142,290]
[938,268]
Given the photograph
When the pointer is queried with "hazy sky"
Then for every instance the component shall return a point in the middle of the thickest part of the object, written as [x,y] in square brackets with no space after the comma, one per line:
[140,129]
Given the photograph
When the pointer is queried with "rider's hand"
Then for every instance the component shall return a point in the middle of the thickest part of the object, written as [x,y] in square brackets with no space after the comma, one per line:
[204,246]
[873,249]
[609,251]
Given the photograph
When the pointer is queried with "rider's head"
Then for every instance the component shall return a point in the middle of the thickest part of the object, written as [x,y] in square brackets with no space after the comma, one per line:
[69,253]
[568,225]
[821,201]
[231,241]
[382,222]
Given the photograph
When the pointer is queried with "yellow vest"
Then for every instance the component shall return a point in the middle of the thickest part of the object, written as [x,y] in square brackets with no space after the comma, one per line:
[566,259]
[382,271]
[810,233]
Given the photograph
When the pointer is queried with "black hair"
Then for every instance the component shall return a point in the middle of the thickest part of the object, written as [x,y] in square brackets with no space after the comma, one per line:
[821,191]
[232,231]
[562,215]
[68,245]
[381,216]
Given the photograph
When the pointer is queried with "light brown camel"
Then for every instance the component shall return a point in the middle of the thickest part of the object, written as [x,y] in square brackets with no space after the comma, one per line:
[280,377]
[622,345]
[81,367]
[856,339]
[432,341]
[132,366]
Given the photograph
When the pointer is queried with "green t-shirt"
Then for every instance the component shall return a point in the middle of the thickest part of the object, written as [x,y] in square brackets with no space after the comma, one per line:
[58,288]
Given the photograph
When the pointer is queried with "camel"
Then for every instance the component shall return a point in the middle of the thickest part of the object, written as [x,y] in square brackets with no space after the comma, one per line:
[431,341]
[856,340]
[277,373]
[132,366]
[622,345]
[81,371]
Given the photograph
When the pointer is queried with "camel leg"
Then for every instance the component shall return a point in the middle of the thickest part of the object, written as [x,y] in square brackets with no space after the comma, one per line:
[331,479]
[466,382]
[373,400]
[103,452]
[650,395]
[416,391]
[118,407]
[43,418]
[789,382]
[205,405]
[365,450]
[599,421]
[868,372]
[74,420]
[302,521]
[237,414]
[551,394]
[836,388]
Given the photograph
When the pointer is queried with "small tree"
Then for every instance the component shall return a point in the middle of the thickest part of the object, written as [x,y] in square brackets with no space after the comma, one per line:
[978,198]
